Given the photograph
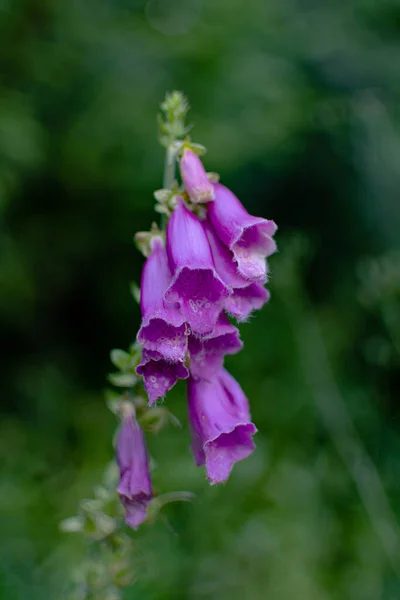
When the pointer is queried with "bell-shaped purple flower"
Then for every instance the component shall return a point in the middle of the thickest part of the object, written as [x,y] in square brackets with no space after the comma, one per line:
[194,177]
[245,296]
[195,286]
[134,488]
[220,424]
[163,327]
[159,375]
[243,301]
[249,238]
[207,353]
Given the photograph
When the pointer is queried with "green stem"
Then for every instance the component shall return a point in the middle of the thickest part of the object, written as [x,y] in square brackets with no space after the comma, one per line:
[169,176]
[169,168]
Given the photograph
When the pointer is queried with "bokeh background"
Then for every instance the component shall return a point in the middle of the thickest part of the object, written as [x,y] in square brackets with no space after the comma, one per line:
[297,102]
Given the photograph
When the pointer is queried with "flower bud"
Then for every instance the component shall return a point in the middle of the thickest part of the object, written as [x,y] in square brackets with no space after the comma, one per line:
[194,178]
[134,488]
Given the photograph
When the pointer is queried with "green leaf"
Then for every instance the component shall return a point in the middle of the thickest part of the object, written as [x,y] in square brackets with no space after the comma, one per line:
[72,525]
[125,380]
[135,291]
[162,195]
[105,524]
[111,475]
[120,358]
[198,149]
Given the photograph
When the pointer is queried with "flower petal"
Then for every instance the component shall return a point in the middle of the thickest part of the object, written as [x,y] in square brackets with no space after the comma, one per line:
[243,301]
[249,238]
[196,286]
[159,375]
[163,327]
[207,353]
[220,423]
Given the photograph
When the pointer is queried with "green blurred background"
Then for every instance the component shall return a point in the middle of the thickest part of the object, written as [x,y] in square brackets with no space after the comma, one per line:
[297,102]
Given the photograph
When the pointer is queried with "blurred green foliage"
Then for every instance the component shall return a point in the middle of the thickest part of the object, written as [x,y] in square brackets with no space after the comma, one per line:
[297,102]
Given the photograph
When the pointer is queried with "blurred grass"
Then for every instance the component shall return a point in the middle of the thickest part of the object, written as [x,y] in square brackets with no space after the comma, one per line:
[297,103]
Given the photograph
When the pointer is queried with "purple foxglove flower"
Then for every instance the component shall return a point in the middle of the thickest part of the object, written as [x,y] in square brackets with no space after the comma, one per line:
[134,488]
[195,285]
[159,375]
[163,327]
[243,301]
[194,177]
[220,423]
[207,353]
[248,237]
[245,296]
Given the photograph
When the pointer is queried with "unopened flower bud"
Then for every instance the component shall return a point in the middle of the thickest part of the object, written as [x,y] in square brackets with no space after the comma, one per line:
[194,178]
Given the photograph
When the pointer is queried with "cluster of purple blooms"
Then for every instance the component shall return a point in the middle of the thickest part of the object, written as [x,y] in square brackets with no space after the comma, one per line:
[210,265]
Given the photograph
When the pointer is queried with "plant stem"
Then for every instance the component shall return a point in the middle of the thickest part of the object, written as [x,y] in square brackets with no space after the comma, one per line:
[169,176]
[169,167]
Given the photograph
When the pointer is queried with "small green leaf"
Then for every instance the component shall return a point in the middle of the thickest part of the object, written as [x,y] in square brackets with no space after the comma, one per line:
[91,507]
[157,503]
[125,380]
[105,524]
[214,177]
[72,525]
[113,404]
[162,209]
[154,419]
[162,195]
[120,358]
[111,475]
[135,291]
[198,149]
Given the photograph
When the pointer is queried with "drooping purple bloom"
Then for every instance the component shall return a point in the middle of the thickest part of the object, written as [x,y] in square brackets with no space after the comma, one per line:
[163,327]
[245,296]
[220,424]
[249,238]
[207,353]
[134,488]
[159,375]
[196,286]
[243,301]
[194,177]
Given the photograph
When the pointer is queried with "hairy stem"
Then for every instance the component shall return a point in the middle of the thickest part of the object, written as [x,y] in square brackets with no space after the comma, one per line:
[169,167]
